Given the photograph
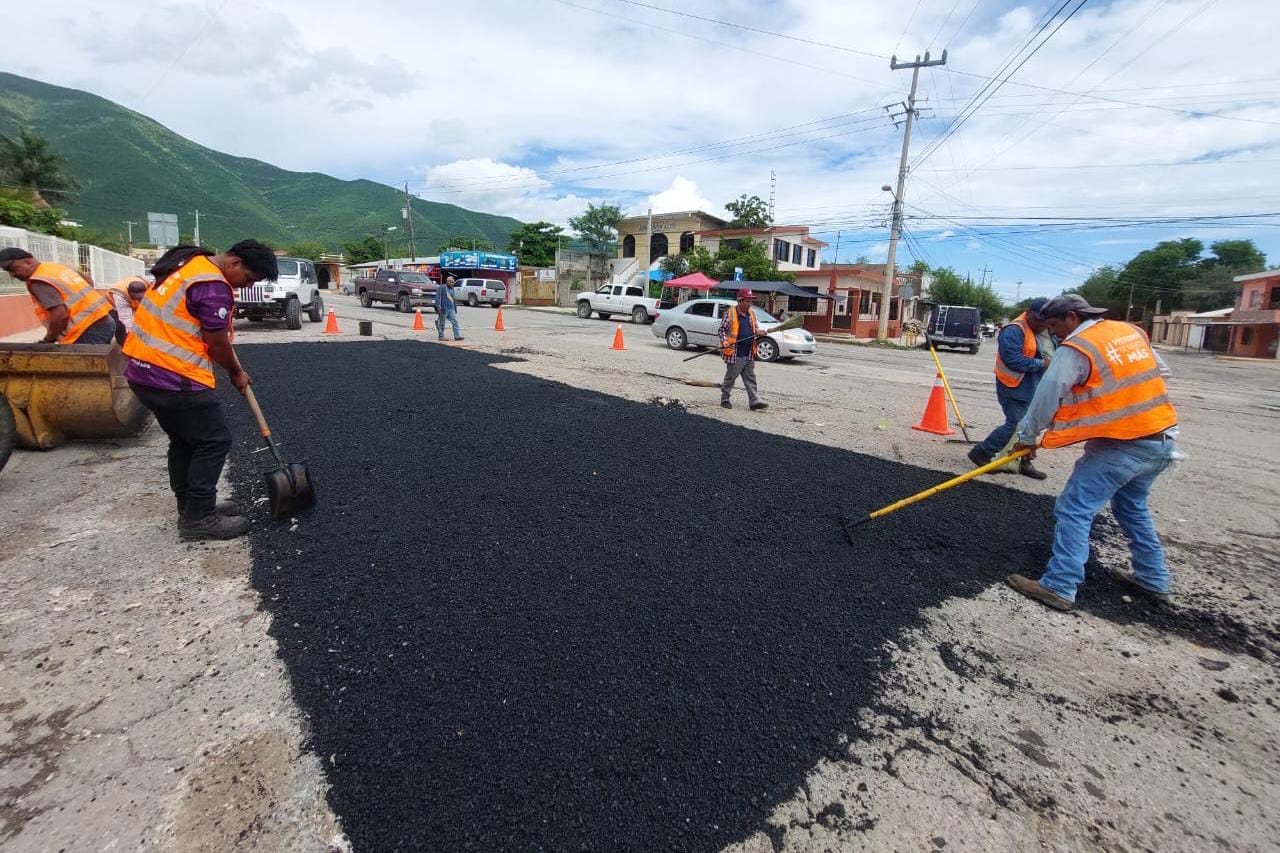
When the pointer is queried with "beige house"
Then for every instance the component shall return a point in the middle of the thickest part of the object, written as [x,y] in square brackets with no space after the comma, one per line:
[672,234]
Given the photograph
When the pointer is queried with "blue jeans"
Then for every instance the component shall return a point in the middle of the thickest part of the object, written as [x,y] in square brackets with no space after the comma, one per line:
[452,317]
[1121,472]
[1013,412]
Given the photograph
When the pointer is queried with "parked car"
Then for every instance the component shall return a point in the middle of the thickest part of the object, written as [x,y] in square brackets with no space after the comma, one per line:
[697,323]
[613,299]
[954,326]
[406,289]
[473,291]
[988,330]
[294,291]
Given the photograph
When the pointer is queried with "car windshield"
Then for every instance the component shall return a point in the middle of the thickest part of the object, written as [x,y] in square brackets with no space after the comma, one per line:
[763,316]
[286,267]
[414,277]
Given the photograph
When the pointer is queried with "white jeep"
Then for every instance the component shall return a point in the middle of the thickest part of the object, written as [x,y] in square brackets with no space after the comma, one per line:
[295,290]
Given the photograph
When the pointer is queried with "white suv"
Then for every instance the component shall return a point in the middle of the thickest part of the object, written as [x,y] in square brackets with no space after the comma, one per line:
[473,291]
[295,290]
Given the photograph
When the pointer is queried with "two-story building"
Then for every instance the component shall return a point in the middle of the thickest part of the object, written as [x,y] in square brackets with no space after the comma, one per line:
[648,239]
[790,246]
[1255,321]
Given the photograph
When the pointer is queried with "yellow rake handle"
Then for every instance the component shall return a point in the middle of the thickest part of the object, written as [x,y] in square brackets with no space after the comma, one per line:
[952,397]
[955,481]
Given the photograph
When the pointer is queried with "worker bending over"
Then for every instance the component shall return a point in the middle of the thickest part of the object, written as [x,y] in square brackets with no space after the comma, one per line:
[1106,388]
[125,297]
[71,311]
[181,327]
[1019,366]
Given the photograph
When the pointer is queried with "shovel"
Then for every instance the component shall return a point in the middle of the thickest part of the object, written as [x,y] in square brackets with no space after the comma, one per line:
[289,488]
[849,524]
[785,325]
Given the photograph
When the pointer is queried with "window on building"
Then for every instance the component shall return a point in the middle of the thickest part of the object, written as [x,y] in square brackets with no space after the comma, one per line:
[629,246]
[813,259]
[1274,303]
[1255,298]
[686,242]
[1246,336]
[893,308]
[657,246]
[797,254]
[781,250]
[802,304]
[842,304]
[864,302]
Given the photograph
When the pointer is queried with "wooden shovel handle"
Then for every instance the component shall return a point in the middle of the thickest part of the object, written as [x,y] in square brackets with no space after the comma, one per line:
[257,412]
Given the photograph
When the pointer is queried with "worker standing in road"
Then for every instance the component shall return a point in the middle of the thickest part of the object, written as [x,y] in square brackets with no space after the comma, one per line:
[738,347]
[181,327]
[1019,366]
[71,311]
[447,308]
[1106,388]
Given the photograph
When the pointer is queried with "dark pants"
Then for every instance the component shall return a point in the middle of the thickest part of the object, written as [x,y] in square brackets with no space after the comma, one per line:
[1013,412]
[198,444]
[101,332]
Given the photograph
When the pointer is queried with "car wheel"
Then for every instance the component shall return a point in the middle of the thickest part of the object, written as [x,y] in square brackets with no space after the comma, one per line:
[766,350]
[316,312]
[584,310]
[472,300]
[639,316]
[676,338]
[292,314]
[8,431]
[404,304]
[366,301]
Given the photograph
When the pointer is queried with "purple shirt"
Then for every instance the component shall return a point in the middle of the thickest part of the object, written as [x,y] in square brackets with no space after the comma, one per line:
[211,303]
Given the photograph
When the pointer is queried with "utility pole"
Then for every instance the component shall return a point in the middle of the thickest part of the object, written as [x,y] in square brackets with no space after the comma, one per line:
[195,238]
[408,215]
[773,191]
[882,328]
[648,252]
[985,271]
[1129,311]
[130,225]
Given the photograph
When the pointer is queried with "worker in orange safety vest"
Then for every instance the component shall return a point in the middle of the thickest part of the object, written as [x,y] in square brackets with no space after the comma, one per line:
[1105,388]
[68,307]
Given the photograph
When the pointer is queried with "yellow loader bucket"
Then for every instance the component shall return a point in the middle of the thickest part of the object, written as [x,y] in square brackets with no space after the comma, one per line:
[67,393]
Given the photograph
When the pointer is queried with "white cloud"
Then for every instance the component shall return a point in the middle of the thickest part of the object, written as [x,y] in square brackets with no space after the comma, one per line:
[493,187]
[681,195]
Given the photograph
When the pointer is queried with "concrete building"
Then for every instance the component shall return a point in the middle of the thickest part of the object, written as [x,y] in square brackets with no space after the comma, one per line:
[1255,331]
[789,245]
[855,308]
[672,234]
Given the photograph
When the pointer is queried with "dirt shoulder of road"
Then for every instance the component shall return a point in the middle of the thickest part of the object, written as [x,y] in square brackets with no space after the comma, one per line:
[143,706]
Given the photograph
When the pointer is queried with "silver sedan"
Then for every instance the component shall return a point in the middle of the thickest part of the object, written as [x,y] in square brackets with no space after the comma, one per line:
[697,323]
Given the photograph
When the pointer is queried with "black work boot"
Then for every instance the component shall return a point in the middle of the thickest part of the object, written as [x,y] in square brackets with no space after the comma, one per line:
[212,526]
[978,457]
[223,508]
[1026,469]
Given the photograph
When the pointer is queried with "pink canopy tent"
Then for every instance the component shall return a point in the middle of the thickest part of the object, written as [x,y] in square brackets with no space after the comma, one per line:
[693,281]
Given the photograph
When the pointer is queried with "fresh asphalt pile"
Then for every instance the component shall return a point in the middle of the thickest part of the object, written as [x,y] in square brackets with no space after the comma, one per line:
[524,616]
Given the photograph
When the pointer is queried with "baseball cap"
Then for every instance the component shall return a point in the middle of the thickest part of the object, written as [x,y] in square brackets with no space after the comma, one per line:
[1060,306]
[11,254]
[746,293]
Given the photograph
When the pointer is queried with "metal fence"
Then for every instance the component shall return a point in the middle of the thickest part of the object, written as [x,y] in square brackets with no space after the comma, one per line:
[105,267]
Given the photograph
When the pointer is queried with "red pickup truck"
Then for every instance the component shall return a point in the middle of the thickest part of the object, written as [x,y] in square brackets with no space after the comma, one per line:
[406,289]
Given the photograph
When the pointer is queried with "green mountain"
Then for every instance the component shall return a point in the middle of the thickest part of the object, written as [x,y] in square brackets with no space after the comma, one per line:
[128,165]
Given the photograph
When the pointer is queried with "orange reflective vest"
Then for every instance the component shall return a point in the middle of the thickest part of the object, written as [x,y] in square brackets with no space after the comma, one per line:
[1124,395]
[1008,377]
[731,341]
[85,306]
[165,333]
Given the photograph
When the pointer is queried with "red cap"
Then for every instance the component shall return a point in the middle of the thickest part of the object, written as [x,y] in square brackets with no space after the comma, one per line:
[746,293]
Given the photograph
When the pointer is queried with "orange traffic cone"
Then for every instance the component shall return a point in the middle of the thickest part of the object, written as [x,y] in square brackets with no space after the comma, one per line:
[617,339]
[935,412]
[331,327]
[417,321]
[497,326]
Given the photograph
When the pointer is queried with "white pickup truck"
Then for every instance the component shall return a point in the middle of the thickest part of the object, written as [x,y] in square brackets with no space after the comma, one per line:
[613,299]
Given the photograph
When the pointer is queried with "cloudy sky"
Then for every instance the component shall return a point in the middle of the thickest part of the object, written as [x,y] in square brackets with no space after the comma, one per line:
[1132,110]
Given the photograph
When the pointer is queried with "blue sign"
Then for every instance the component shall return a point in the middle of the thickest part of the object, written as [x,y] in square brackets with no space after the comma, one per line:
[737,273]
[477,261]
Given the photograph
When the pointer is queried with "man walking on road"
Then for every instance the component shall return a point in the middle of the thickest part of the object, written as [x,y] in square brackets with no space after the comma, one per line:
[71,311]
[738,347]
[1019,366]
[1106,388]
[181,327]
[447,308]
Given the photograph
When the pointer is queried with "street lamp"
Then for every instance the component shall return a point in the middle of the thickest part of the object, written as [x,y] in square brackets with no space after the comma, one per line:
[386,243]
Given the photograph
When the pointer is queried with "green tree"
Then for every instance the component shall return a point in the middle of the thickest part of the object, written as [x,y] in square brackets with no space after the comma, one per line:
[94,237]
[948,288]
[535,243]
[309,249]
[751,255]
[368,248]
[749,212]
[465,243]
[26,160]
[1240,256]
[22,213]
[698,259]
[598,227]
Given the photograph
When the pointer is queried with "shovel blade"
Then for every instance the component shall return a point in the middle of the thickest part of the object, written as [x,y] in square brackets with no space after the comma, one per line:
[289,490]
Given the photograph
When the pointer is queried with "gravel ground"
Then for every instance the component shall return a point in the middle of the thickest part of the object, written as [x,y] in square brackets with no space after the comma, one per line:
[632,628]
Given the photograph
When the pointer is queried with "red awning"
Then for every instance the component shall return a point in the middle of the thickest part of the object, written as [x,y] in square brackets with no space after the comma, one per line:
[693,281]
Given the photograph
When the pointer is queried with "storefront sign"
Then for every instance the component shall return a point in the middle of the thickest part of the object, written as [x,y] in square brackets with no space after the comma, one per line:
[477,261]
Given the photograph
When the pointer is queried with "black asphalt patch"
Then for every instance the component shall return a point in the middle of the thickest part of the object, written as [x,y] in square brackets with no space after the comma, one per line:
[524,616]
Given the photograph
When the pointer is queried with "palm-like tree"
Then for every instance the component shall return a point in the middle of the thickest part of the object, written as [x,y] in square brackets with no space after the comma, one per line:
[27,161]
